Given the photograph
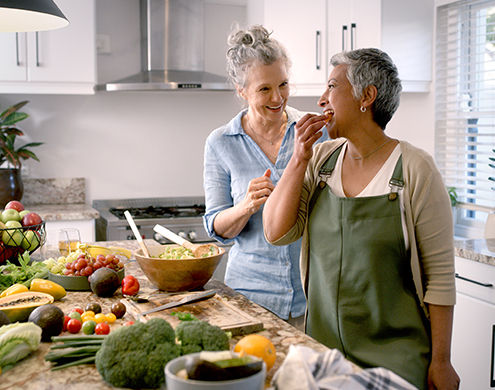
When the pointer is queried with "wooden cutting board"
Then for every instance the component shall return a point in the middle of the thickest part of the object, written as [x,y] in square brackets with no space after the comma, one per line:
[216,310]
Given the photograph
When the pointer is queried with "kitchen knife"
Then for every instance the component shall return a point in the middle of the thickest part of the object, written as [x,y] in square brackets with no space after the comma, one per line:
[188,299]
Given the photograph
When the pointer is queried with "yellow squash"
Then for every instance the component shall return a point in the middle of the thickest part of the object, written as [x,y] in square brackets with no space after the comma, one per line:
[14,289]
[48,287]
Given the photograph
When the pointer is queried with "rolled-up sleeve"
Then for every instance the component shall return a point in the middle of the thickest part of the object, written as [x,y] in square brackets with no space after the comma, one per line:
[216,179]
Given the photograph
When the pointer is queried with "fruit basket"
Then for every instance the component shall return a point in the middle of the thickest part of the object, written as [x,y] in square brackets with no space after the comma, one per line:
[15,241]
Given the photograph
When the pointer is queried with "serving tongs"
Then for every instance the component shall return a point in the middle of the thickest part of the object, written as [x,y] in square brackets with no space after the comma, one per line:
[198,250]
[135,230]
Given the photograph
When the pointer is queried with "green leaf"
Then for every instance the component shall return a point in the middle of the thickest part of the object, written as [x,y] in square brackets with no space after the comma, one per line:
[14,118]
[12,109]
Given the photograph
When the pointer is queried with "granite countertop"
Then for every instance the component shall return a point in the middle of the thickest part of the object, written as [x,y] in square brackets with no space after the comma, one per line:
[481,250]
[33,373]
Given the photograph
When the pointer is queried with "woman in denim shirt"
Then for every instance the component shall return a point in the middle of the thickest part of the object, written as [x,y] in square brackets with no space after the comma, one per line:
[244,160]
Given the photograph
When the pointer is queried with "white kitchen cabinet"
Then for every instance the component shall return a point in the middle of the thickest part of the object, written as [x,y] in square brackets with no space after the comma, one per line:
[407,36]
[474,325]
[353,24]
[301,28]
[56,61]
[86,228]
[402,28]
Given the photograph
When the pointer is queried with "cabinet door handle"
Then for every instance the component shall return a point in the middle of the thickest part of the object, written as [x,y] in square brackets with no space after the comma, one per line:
[353,36]
[37,49]
[344,36]
[318,49]
[18,62]
[473,281]
[492,379]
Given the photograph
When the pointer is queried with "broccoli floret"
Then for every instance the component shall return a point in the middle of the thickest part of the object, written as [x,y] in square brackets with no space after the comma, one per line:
[134,356]
[196,336]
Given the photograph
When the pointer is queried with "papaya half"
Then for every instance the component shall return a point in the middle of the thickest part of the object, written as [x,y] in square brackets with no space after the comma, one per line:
[17,307]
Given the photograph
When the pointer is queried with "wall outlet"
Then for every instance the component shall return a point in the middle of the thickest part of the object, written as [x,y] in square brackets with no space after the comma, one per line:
[103,45]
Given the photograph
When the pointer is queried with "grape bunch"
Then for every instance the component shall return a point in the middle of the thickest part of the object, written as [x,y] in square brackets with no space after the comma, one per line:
[82,264]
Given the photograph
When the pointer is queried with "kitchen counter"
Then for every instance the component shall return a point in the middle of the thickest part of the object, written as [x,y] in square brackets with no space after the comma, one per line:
[33,373]
[480,250]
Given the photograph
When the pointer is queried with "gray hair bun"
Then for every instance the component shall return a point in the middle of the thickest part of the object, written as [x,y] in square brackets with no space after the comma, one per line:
[253,44]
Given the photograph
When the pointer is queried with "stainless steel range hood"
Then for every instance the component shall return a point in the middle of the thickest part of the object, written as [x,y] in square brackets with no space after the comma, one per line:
[172,50]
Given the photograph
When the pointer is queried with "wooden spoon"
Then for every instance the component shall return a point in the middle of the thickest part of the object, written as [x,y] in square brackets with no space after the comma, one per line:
[198,250]
[135,230]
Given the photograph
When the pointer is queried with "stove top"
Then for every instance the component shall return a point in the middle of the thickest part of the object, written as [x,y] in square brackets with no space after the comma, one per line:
[159,211]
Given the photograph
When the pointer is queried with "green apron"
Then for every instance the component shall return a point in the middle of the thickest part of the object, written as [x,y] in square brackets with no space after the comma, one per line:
[361,295]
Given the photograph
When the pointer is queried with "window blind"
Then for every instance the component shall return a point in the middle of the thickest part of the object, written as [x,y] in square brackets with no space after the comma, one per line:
[465,101]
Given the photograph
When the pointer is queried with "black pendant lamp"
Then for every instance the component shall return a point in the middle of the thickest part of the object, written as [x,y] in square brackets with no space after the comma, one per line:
[30,15]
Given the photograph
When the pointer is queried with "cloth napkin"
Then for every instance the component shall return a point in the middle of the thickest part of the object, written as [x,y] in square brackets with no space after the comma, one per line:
[306,369]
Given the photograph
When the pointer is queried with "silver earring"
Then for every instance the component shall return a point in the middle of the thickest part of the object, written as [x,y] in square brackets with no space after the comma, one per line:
[363,109]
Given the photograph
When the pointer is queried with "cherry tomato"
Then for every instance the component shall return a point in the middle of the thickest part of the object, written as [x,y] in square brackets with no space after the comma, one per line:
[78,309]
[130,285]
[75,314]
[74,325]
[66,320]
[110,318]
[128,323]
[88,327]
[102,328]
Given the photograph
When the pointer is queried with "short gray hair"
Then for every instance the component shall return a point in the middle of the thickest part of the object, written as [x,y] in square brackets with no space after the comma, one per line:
[249,46]
[373,67]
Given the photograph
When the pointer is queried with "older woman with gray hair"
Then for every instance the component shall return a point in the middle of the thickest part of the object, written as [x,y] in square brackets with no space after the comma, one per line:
[377,253]
[243,161]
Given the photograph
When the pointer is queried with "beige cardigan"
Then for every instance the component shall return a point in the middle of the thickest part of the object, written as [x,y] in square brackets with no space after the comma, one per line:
[428,218]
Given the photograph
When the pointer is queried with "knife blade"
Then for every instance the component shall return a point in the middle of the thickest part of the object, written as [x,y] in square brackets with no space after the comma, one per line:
[183,301]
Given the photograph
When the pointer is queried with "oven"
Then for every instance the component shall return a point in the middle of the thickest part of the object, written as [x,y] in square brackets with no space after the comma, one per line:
[182,215]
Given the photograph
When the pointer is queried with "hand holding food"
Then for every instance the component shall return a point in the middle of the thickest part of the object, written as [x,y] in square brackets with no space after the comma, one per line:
[308,130]
[258,191]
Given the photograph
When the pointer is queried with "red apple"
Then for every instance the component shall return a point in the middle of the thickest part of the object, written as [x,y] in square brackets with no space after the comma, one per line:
[31,219]
[14,204]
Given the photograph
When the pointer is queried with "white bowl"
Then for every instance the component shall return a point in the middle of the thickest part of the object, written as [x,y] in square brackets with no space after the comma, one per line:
[253,382]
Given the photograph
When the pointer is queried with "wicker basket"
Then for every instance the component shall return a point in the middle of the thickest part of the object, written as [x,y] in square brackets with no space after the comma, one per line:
[18,241]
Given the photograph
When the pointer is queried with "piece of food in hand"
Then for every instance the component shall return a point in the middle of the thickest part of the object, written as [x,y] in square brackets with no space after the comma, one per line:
[328,115]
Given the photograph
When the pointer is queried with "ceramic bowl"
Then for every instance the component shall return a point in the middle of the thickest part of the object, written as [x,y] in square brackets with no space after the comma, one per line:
[177,275]
[253,382]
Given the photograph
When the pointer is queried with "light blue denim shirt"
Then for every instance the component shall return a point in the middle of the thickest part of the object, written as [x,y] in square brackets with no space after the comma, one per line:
[267,275]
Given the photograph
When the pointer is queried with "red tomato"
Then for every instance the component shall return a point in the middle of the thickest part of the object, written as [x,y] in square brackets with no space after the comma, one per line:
[73,326]
[130,285]
[128,323]
[102,328]
[66,320]
[78,309]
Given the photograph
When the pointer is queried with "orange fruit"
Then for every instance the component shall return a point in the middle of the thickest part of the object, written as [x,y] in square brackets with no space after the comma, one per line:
[257,345]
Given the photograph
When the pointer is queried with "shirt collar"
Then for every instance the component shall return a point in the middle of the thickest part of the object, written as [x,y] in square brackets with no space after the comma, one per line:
[235,127]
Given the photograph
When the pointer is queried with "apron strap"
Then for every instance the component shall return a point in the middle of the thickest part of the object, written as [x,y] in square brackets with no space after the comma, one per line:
[396,183]
[325,171]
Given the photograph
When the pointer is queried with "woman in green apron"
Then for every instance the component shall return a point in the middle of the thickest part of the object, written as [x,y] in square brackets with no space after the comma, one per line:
[377,258]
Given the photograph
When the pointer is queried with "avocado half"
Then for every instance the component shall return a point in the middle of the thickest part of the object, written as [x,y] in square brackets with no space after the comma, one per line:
[17,307]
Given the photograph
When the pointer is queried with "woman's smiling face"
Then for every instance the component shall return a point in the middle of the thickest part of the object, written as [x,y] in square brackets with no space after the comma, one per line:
[267,90]
[339,100]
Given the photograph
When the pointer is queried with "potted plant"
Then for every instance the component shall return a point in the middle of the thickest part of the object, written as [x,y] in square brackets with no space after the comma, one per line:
[11,187]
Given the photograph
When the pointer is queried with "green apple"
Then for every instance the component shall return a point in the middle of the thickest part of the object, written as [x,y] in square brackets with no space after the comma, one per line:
[31,240]
[12,236]
[10,215]
[23,213]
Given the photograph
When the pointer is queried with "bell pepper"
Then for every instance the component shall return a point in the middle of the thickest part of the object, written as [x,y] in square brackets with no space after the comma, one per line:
[14,289]
[48,287]
[130,285]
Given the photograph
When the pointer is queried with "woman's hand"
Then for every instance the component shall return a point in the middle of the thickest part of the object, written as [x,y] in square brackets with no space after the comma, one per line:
[442,376]
[307,133]
[258,191]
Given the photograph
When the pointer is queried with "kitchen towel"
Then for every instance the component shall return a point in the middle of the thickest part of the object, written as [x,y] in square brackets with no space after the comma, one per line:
[306,369]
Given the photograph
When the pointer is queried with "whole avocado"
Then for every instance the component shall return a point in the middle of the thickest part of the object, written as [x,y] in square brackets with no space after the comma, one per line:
[4,320]
[50,319]
[104,282]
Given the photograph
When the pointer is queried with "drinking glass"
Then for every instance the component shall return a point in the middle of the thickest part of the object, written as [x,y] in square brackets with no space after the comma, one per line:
[67,240]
